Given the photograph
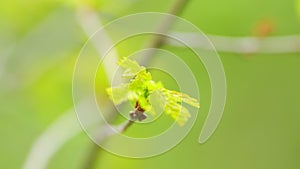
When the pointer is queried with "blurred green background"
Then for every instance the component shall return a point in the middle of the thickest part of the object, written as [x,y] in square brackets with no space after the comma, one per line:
[41,39]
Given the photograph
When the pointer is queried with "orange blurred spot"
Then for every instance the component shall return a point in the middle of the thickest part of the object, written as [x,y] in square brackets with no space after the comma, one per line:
[264,28]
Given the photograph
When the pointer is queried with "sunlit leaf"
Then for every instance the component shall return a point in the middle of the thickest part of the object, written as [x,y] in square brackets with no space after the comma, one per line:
[151,96]
[131,67]
[157,102]
[118,94]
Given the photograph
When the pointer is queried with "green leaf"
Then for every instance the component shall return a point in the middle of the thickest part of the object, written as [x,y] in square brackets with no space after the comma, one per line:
[157,102]
[151,96]
[185,98]
[118,94]
[131,67]
[179,113]
[174,106]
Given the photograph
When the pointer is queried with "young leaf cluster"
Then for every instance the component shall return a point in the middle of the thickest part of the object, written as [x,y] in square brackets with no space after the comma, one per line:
[143,90]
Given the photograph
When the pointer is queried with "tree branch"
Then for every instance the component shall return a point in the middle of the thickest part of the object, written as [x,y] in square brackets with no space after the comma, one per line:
[240,45]
[95,150]
[156,42]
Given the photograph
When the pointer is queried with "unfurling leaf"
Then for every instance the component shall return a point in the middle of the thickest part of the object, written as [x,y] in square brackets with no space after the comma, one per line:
[118,94]
[151,96]
[131,67]
[157,102]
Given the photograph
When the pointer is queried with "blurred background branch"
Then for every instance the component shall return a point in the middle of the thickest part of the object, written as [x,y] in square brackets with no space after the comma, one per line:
[90,22]
[40,41]
[241,45]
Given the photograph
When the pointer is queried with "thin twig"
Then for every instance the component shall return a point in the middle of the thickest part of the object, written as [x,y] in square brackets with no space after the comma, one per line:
[240,45]
[51,140]
[90,23]
[91,157]
[156,42]
[127,125]
[95,150]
